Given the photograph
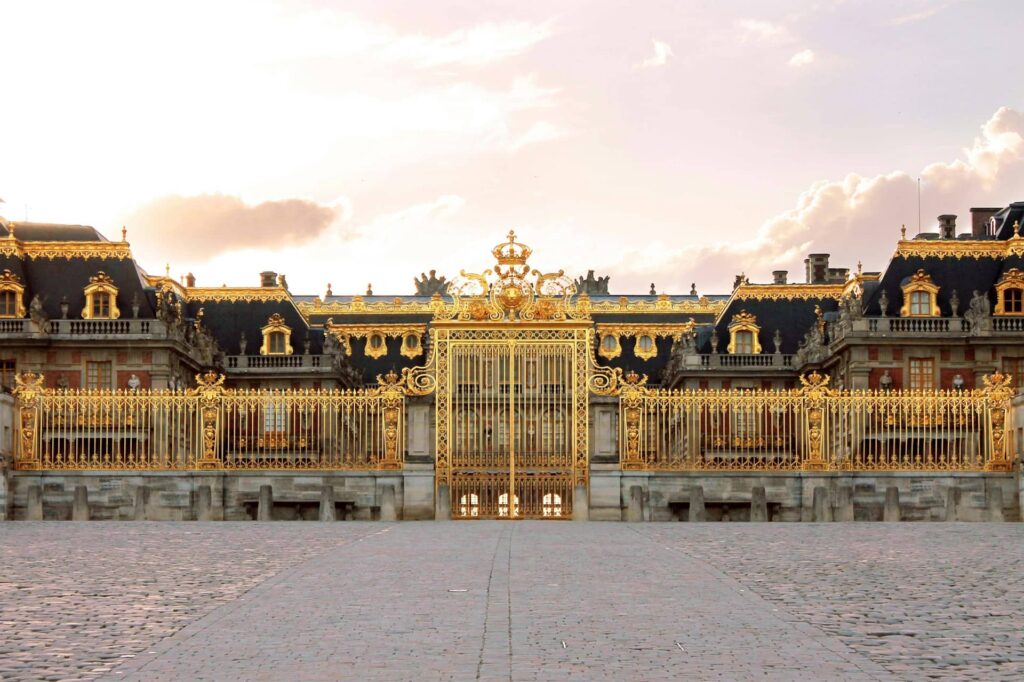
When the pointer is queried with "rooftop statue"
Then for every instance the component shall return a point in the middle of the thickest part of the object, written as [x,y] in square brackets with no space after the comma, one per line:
[591,285]
[428,286]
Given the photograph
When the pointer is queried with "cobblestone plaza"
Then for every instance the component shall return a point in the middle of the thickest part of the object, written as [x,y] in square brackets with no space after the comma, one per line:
[510,601]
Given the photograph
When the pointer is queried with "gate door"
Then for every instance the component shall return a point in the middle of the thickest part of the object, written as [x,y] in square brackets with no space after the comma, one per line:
[512,429]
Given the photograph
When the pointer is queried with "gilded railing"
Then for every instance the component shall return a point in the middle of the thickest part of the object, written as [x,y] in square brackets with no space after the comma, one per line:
[210,427]
[815,427]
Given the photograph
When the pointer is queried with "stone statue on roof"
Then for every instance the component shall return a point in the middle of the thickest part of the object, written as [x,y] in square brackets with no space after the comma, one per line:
[978,313]
[591,285]
[430,285]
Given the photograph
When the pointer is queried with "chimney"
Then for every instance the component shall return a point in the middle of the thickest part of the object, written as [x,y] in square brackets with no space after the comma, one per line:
[817,268]
[779,276]
[979,221]
[947,226]
[190,280]
[268,278]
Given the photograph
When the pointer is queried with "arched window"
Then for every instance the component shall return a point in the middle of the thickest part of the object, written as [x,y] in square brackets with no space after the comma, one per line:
[276,337]
[12,295]
[609,347]
[100,298]
[411,347]
[743,334]
[469,505]
[645,347]
[920,296]
[376,346]
[551,504]
[503,505]
[1010,293]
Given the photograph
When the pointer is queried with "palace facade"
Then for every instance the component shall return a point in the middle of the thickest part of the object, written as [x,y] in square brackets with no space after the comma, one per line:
[514,393]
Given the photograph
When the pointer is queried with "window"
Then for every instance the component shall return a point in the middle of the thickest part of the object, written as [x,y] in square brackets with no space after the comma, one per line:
[503,505]
[922,373]
[277,343]
[609,348]
[551,504]
[1015,368]
[1013,301]
[744,342]
[645,347]
[100,298]
[920,303]
[920,296]
[411,345]
[11,295]
[277,337]
[274,416]
[98,375]
[100,306]
[7,371]
[469,505]
[376,347]
[743,334]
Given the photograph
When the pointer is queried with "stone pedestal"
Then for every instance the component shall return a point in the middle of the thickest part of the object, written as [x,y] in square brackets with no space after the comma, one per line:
[34,503]
[580,504]
[891,511]
[265,508]
[822,509]
[952,510]
[697,513]
[204,503]
[141,512]
[327,512]
[844,507]
[80,506]
[443,504]
[758,504]
[635,504]
[388,511]
[994,502]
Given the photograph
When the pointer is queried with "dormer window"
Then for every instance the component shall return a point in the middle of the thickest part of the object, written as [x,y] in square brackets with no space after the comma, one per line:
[609,347]
[276,337]
[743,334]
[12,295]
[1010,293]
[645,347]
[411,347]
[100,299]
[376,346]
[920,296]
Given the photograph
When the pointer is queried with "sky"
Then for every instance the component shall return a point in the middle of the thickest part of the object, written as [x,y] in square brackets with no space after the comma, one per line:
[366,142]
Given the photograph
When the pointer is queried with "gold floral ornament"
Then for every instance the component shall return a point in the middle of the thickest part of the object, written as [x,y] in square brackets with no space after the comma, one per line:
[513,292]
[998,388]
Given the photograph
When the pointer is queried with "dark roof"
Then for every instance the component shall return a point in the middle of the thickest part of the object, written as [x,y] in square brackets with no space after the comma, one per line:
[963,275]
[792,317]
[52,232]
[228,320]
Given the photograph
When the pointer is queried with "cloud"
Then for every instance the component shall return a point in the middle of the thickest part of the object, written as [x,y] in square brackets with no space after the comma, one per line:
[662,51]
[198,227]
[802,58]
[927,13]
[757,30]
[855,218]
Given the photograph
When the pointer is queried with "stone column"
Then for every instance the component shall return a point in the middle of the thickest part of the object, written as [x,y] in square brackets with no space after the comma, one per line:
[844,508]
[821,507]
[387,503]
[891,511]
[758,504]
[34,504]
[80,506]
[697,513]
[265,509]
[327,503]
[443,504]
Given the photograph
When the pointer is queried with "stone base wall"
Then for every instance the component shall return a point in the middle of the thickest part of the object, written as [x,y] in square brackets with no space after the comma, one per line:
[922,496]
[233,496]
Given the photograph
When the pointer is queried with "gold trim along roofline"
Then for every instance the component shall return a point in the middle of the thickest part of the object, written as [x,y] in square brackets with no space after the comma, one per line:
[787,292]
[954,248]
[68,250]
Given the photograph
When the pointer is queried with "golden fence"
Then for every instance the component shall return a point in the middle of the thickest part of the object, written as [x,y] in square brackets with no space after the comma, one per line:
[209,427]
[816,427]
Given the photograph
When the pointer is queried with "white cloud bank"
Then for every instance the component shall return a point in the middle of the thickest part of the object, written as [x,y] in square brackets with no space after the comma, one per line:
[802,58]
[662,52]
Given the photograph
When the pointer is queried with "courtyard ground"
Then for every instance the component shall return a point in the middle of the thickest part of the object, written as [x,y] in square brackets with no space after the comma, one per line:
[510,601]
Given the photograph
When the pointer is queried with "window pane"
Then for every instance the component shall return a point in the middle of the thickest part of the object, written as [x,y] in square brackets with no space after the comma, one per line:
[98,375]
[922,372]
